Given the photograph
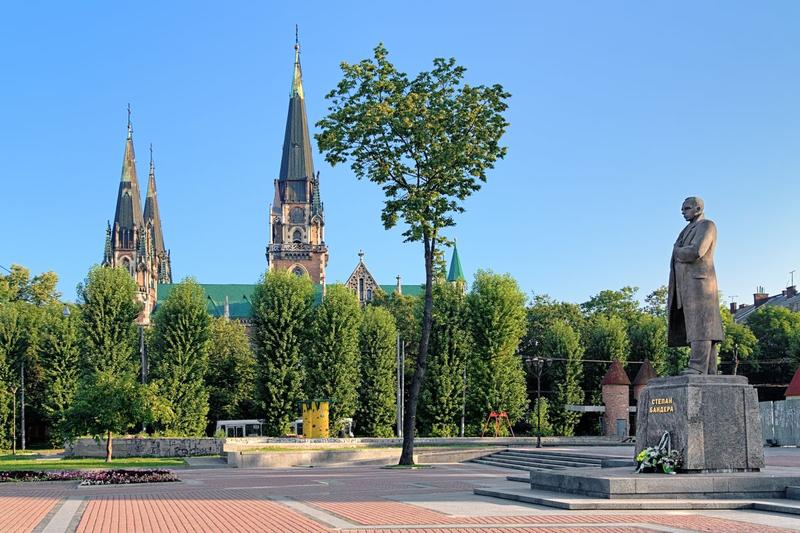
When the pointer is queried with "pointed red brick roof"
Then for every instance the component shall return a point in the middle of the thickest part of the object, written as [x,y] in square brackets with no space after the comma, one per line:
[645,374]
[616,375]
[794,386]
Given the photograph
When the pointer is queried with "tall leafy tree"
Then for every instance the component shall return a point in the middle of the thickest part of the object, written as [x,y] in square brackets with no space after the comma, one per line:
[648,340]
[605,338]
[428,142]
[443,392]
[179,358]
[740,342]
[562,343]
[109,333]
[331,365]
[282,305]
[109,399]
[620,303]
[496,378]
[778,350]
[377,400]
[231,376]
[59,354]
[18,285]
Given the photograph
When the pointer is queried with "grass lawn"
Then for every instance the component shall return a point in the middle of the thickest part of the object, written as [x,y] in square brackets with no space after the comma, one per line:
[38,462]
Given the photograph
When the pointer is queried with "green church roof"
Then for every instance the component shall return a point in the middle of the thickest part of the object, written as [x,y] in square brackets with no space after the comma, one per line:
[456,273]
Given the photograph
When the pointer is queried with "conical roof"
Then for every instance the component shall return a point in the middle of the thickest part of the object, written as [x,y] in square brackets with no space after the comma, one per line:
[129,199]
[151,213]
[616,375]
[793,390]
[645,374]
[296,162]
[456,273]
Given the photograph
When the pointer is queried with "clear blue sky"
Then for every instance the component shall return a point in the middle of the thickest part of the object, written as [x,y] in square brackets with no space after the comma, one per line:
[619,111]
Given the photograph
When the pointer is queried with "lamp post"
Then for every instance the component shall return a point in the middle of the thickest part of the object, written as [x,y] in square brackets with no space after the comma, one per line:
[14,421]
[538,363]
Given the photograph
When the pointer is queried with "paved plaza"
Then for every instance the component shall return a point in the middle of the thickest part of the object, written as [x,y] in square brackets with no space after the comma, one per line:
[352,499]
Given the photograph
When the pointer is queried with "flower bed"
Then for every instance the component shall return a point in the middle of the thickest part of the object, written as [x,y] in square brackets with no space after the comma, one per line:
[92,477]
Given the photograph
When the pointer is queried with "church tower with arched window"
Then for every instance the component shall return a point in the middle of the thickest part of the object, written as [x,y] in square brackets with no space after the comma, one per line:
[297,224]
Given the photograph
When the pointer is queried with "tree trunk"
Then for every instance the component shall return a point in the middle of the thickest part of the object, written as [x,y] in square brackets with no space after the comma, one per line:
[410,419]
[735,360]
[108,447]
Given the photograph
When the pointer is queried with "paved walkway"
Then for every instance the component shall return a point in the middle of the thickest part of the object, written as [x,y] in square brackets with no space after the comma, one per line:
[352,499]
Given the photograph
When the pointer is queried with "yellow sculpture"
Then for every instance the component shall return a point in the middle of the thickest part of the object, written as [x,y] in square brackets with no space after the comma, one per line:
[315,419]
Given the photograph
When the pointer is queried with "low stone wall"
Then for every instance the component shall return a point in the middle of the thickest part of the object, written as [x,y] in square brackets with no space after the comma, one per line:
[363,456]
[243,444]
[780,422]
[149,447]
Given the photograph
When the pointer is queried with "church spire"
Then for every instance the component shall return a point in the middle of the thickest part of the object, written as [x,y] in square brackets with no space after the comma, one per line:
[456,273]
[296,162]
[152,218]
[128,215]
[151,214]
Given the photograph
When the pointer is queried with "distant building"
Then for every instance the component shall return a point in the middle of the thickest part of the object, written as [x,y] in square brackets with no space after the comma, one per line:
[788,298]
[135,242]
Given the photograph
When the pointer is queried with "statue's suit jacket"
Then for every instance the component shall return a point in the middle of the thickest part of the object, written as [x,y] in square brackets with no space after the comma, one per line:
[693,301]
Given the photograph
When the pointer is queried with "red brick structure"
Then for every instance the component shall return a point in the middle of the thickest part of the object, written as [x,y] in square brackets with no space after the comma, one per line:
[616,393]
[645,374]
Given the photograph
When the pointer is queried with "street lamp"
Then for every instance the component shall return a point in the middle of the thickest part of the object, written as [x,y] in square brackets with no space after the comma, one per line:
[14,421]
[538,363]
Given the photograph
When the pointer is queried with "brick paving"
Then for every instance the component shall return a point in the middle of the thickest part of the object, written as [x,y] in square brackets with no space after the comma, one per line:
[21,513]
[357,499]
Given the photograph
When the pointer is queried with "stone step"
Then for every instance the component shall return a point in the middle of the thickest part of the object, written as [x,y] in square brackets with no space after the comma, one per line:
[571,455]
[526,463]
[793,493]
[788,507]
[543,458]
[519,479]
[508,465]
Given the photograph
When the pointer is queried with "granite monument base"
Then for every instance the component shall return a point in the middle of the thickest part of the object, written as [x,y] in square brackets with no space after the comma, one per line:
[712,420]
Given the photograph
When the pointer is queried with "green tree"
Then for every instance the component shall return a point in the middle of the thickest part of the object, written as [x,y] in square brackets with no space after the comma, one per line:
[562,343]
[648,340]
[109,333]
[109,398]
[428,142]
[282,304]
[604,339]
[179,358]
[540,417]
[620,303]
[775,328]
[231,376]
[331,365]
[108,402]
[17,285]
[377,400]
[19,331]
[495,377]
[442,394]
[656,302]
[59,353]
[740,342]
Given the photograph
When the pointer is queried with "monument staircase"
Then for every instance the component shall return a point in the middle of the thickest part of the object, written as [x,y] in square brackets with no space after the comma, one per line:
[538,460]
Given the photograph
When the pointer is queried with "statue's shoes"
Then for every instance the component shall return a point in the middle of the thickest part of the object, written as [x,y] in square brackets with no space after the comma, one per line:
[690,372]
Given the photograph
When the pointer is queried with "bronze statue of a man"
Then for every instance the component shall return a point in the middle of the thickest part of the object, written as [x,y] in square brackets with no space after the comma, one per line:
[693,302]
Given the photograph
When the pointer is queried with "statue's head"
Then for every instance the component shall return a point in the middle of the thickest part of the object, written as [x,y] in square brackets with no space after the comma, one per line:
[692,208]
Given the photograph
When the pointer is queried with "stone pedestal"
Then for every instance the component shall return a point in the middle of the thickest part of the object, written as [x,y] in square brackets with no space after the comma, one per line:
[713,421]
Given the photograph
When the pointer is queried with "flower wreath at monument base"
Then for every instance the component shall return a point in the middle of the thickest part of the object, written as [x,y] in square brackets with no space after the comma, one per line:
[659,459]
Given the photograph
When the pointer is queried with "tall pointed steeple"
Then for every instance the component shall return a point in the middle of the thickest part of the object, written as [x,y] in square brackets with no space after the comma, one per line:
[296,162]
[128,215]
[152,219]
[296,220]
[456,273]
[151,214]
